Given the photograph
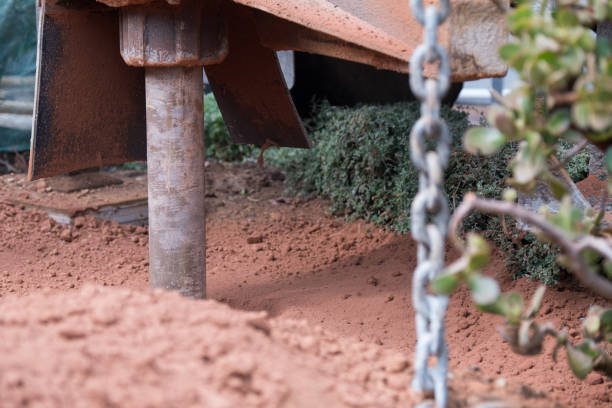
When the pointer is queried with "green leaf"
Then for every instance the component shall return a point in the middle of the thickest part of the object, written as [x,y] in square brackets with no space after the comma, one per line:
[520,19]
[568,218]
[608,159]
[503,120]
[536,302]
[557,188]
[483,141]
[510,195]
[485,290]
[566,18]
[496,307]
[513,306]
[509,51]
[580,114]
[559,122]
[589,348]
[592,323]
[603,48]
[445,284]
[478,251]
[600,8]
[606,324]
[580,363]
[608,268]
[599,122]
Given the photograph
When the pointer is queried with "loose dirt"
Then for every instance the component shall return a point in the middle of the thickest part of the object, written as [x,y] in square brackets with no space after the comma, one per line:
[336,297]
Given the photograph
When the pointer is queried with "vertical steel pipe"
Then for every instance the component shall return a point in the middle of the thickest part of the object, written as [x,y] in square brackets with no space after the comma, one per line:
[175,166]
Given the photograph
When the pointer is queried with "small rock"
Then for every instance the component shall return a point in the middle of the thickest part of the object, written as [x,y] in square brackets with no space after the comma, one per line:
[501,383]
[79,222]
[389,298]
[46,226]
[372,280]
[396,274]
[66,235]
[528,392]
[314,229]
[398,382]
[72,333]
[597,380]
[255,240]
[396,364]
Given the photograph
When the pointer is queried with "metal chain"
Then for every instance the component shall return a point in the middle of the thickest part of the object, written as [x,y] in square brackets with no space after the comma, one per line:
[430,212]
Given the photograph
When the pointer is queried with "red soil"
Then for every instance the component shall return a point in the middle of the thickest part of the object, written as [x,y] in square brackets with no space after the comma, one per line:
[351,279]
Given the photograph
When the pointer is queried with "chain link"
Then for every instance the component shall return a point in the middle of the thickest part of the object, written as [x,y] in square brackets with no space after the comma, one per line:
[430,211]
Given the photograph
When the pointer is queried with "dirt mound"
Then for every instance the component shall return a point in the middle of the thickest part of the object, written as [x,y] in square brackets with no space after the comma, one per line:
[117,347]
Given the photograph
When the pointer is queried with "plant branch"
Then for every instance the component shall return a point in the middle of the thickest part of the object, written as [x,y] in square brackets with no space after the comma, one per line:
[572,248]
[564,99]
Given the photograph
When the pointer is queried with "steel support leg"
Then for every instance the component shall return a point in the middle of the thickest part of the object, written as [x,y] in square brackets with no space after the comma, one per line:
[175,161]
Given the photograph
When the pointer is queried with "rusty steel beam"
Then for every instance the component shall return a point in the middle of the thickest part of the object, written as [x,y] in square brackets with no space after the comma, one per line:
[175,168]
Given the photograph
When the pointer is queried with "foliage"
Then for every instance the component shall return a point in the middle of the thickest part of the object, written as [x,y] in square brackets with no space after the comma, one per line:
[566,97]
[360,160]
[578,166]
[216,136]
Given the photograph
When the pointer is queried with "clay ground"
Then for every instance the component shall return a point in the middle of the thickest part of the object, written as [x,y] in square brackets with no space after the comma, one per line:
[287,257]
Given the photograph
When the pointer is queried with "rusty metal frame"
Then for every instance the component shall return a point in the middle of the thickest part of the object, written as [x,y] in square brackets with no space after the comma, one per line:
[81,71]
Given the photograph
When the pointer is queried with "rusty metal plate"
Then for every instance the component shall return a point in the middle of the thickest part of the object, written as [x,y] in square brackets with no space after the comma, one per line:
[90,106]
[384,33]
[250,89]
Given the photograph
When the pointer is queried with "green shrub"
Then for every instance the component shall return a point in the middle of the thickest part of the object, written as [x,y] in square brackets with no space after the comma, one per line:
[216,136]
[578,166]
[360,161]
